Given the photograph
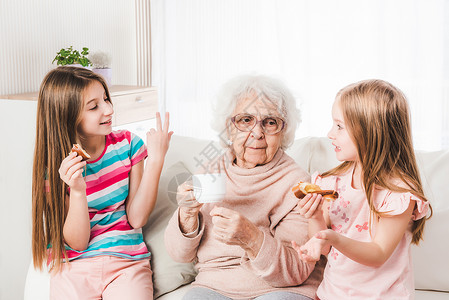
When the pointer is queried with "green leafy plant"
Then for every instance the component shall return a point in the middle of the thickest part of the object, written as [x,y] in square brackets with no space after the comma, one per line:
[69,56]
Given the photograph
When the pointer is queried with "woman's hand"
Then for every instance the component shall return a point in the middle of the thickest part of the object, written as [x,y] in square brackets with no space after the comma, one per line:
[311,206]
[158,139]
[71,172]
[189,207]
[232,228]
[317,245]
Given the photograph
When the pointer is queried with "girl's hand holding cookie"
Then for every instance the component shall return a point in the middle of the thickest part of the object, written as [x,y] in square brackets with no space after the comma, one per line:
[71,172]
[311,206]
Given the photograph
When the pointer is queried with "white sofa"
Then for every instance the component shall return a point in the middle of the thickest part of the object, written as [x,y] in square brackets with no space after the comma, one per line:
[171,279]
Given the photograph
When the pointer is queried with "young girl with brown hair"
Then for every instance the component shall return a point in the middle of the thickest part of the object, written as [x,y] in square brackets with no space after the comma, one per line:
[381,209]
[87,215]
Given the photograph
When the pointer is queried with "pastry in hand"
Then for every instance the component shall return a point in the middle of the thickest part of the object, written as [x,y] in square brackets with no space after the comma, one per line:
[81,152]
[304,188]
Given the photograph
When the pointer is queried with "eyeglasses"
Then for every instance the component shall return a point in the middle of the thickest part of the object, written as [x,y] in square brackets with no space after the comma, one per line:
[246,122]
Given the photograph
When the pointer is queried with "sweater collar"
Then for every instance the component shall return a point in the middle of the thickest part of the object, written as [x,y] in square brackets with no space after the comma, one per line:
[230,158]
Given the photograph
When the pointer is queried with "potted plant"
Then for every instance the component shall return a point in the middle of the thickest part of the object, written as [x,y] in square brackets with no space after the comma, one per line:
[70,56]
[101,62]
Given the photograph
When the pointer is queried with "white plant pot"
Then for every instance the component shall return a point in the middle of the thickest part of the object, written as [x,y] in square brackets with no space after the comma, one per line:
[106,73]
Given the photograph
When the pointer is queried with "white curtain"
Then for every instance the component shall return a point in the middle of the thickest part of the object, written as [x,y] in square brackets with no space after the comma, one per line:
[315,46]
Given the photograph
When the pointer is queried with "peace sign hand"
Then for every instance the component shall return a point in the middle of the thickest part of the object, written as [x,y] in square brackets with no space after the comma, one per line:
[158,139]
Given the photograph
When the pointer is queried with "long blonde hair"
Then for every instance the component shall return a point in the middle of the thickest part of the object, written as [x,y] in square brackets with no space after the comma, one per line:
[59,111]
[376,115]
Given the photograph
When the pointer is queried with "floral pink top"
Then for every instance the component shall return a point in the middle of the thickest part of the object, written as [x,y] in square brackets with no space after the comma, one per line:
[349,215]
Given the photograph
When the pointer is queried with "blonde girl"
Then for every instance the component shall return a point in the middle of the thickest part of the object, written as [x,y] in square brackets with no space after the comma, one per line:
[366,233]
[87,215]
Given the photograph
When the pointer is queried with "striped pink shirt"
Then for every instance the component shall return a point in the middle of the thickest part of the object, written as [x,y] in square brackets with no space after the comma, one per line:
[107,180]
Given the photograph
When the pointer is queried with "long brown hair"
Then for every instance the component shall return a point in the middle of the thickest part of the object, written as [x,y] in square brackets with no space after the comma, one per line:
[376,115]
[59,111]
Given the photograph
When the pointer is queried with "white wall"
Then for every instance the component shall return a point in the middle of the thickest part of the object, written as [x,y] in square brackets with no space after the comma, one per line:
[31,32]
[317,47]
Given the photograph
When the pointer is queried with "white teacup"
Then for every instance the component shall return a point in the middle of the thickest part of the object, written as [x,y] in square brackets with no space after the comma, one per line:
[209,187]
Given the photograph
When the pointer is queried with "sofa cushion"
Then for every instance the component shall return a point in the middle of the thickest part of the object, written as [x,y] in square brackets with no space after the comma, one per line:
[37,284]
[194,153]
[430,259]
[167,274]
[313,154]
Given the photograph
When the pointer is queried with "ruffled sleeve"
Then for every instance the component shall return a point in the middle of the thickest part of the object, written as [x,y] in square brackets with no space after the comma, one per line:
[396,203]
[316,178]
[325,183]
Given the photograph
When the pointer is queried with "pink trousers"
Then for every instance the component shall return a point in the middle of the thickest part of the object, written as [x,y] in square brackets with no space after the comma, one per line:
[103,277]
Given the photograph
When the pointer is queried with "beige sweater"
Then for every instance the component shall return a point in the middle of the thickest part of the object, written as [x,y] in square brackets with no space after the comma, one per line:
[263,195]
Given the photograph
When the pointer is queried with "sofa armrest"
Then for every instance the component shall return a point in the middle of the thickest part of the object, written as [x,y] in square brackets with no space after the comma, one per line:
[37,284]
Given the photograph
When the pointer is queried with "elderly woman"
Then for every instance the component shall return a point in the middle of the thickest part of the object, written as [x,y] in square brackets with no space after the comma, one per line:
[242,245]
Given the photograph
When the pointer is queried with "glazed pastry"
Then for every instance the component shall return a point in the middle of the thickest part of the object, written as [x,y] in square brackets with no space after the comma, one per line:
[81,152]
[304,188]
